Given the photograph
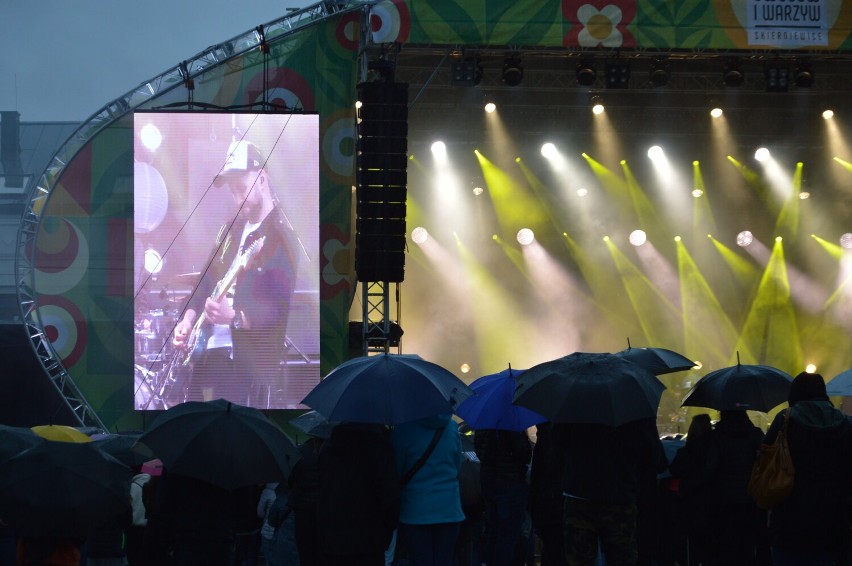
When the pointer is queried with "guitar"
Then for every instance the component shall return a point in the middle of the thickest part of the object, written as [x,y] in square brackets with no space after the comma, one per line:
[195,341]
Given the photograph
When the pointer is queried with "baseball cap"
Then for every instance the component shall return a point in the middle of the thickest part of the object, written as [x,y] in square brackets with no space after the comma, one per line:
[241,156]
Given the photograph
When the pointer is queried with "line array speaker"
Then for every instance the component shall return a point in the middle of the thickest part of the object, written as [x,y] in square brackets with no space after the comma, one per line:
[381,180]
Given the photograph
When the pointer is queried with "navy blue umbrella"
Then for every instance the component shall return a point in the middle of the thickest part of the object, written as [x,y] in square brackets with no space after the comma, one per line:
[491,407]
[740,387]
[387,389]
[63,489]
[592,388]
[657,360]
[222,443]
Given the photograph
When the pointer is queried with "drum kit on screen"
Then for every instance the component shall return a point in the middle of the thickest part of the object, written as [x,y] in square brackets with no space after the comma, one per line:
[154,352]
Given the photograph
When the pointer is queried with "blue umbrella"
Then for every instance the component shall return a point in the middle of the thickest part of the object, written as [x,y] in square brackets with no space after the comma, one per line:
[591,388]
[740,387]
[387,389]
[490,406]
[841,384]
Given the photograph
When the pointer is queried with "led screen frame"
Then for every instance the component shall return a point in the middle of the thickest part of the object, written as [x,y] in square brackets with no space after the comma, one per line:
[199,178]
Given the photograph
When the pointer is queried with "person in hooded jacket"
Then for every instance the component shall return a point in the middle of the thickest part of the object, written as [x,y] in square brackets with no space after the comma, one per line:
[810,526]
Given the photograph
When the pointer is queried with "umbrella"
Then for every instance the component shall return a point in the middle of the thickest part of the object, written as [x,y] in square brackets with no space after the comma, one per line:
[61,433]
[590,388]
[222,443]
[387,389]
[657,360]
[16,439]
[120,447]
[314,424]
[490,406]
[740,387]
[841,384]
[63,489]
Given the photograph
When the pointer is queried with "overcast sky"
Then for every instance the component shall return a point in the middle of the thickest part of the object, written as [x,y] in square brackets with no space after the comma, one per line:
[63,60]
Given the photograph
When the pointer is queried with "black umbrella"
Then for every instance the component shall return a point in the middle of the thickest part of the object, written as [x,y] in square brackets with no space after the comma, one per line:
[387,389]
[590,388]
[16,439]
[120,447]
[63,489]
[222,443]
[314,424]
[657,360]
[740,387]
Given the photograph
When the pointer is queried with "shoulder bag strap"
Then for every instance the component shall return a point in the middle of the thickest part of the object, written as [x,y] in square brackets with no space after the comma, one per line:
[422,460]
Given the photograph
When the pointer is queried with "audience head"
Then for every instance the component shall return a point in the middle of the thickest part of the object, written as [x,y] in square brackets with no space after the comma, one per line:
[700,426]
[807,387]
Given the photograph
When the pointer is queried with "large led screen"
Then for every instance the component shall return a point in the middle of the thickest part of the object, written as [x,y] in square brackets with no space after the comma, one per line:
[226,244]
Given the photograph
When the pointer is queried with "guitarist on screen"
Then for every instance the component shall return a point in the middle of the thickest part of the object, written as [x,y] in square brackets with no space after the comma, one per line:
[232,332]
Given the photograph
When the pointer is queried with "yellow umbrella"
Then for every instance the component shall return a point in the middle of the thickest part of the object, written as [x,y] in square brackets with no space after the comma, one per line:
[61,433]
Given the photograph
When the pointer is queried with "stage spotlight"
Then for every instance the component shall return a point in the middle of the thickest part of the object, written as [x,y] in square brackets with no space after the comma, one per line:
[465,368]
[585,73]
[466,72]
[846,241]
[490,106]
[827,114]
[697,193]
[655,152]
[716,112]
[581,192]
[549,151]
[803,76]
[659,74]
[744,238]
[419,235]
[804,195]
[525,236]
[810,368]
[597,105]
[439,150]
[478,191]
[733,75]
[513,71]
[777,76]
[617,75]
[637,237]
[762,154]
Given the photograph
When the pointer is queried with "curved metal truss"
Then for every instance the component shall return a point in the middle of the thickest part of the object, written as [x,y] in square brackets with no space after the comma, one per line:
[179,76]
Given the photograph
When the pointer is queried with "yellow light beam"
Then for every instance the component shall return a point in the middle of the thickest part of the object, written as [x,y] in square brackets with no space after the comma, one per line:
[770,333]
[708,332]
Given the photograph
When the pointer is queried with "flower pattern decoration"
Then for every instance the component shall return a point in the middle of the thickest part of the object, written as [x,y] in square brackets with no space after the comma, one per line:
[335,263]
[599,23]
